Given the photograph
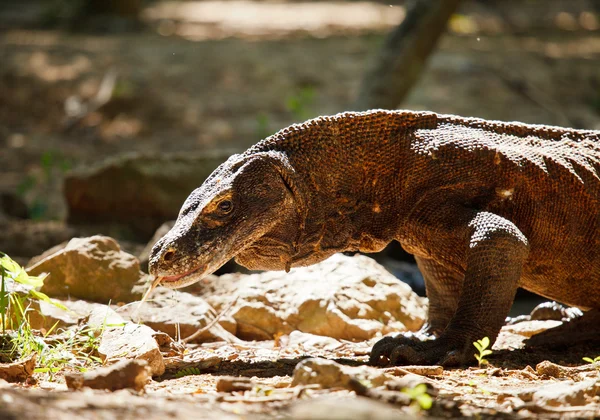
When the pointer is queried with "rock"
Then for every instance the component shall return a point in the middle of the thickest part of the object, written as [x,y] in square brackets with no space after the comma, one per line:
[531,328]
[350,408]
[416,369]
[233,384]
[124,374]
[132,341]
[140,191]
[550,369]
[306,340]
[566,393]
[35,404]
[19,370]
[351,298]
[329,374]
[93,269]
[174,312]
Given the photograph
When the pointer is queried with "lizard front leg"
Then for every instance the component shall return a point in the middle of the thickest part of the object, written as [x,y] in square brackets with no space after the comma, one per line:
[493,254]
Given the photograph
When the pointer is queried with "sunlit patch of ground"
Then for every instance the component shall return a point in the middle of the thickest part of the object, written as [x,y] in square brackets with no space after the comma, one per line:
[198,20]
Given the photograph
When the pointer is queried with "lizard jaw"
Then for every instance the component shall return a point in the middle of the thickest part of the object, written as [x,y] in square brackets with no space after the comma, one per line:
[185,279]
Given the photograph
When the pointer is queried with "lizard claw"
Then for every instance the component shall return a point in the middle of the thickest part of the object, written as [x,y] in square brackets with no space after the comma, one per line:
[382,351]
[409,350]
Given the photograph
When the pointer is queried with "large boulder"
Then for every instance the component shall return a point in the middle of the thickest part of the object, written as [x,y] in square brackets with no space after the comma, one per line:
[93,269]
[135,190]
[351,298]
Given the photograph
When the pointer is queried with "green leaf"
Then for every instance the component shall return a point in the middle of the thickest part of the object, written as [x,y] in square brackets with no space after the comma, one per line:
[486,353]
[46,298]
[588,359]
[425,401]
[18,273]
[45,370]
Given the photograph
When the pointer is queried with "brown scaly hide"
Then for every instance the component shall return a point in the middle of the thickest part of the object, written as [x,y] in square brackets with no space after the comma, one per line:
[484,206]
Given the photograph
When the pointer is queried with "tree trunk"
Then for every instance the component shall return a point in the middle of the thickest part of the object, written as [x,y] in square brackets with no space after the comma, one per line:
[404,54]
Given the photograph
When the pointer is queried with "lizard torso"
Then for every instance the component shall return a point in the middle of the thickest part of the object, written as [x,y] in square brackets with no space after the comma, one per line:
[364,174]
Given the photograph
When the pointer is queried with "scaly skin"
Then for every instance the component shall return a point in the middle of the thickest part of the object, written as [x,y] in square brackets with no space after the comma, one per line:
[484,206]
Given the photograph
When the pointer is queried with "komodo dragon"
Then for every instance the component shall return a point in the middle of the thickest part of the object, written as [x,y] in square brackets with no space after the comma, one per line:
[484,206]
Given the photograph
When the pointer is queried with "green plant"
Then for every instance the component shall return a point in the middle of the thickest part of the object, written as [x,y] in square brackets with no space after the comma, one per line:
[419,397]
[18,287]
[71,348]
[187,372]
[590,360]
[482,347]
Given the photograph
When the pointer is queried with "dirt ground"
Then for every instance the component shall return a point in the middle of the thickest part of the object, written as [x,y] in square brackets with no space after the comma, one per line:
[205,78]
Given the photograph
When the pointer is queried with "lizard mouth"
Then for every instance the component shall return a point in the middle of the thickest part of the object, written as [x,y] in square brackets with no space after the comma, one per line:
[181,280]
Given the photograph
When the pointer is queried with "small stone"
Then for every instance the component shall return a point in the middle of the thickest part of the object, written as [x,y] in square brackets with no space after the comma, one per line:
[329,374]
[233,384]
[335,408]
[132,341]
[550,369]
[566,393]
[18,371]
[531,328]
[124,374]
[418,370]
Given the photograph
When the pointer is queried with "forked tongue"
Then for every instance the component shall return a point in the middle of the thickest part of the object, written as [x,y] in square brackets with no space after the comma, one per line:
[153,286]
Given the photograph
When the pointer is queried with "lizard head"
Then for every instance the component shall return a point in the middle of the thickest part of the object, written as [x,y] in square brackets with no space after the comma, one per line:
[248,200]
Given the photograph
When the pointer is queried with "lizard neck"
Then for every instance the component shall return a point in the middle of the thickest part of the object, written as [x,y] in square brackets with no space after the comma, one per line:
[351,170]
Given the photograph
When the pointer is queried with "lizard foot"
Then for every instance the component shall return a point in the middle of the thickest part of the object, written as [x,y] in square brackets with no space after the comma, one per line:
[409,350]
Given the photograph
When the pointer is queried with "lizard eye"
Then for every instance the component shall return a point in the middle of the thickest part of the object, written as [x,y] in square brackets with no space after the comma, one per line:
[225,206]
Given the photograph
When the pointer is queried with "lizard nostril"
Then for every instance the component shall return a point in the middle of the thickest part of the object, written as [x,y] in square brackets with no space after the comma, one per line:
[169,255]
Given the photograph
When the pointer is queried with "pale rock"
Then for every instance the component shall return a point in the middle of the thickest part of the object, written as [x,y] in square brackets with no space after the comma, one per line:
[306,340]
[565,393]
[132,341]
[333,407]
[180,314]
[531,328]
[124,374]
[329,374]
[94,269]
[351,298]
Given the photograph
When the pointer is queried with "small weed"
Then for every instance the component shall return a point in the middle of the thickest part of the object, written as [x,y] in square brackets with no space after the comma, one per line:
[17,287]
[590,360]
[482,347]
[75,348]
[419,397]
[187,372]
